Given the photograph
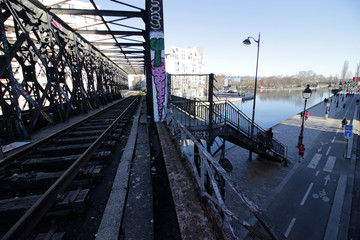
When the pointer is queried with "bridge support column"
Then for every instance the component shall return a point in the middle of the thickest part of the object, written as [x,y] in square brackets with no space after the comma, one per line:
[156,75]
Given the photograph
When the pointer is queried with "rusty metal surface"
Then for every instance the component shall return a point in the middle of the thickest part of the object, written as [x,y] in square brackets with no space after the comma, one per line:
[210,167]
[194,223]
[28,221]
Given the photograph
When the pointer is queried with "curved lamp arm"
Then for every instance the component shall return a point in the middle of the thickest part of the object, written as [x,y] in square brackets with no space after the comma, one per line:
[247,41]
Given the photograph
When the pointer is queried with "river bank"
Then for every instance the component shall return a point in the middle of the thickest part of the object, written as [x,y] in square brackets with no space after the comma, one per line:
[234,97]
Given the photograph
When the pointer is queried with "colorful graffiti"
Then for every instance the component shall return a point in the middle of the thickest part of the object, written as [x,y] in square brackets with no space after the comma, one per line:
[159,81]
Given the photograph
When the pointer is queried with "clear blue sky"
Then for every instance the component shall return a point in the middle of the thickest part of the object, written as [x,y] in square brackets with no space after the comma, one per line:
[315,35]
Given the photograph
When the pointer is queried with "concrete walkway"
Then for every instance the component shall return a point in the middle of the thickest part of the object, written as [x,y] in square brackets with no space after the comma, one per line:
[263,180]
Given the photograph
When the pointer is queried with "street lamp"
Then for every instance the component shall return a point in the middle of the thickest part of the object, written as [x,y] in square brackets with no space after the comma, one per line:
[248,42]
[306,95]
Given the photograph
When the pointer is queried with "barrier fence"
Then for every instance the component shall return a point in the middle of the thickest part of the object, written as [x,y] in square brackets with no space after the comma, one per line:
[207,180]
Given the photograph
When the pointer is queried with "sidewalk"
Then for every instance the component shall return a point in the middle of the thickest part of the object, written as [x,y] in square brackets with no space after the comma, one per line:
[128,213]
[263,180]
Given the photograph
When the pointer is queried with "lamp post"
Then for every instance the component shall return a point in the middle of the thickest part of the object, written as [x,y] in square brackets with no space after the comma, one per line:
[247,42]
[306,95]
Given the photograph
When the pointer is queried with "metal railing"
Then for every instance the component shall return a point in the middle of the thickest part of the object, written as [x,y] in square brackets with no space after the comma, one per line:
[238,120]
[206,178]
[197,113]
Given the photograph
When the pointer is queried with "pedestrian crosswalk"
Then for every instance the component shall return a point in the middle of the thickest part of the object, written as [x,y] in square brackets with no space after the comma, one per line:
[314,161]
[329,165]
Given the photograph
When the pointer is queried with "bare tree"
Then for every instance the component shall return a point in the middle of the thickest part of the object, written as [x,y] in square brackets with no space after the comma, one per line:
[344,70]
[220,81]
[138,82]
[357,72]
[307,76]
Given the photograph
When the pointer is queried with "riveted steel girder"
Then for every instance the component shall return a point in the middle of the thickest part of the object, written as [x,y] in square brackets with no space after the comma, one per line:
[92,12]
[48,71]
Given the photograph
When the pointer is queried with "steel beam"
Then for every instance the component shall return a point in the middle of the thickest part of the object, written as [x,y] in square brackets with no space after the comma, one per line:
[48,71]
[104,32]
[92,12]
[121,44]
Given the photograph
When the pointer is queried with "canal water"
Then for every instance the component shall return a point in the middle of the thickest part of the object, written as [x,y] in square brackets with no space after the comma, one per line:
[275,106]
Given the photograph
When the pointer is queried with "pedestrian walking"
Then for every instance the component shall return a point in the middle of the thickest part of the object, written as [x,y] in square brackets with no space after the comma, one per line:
[269,136]
[343,123]
[301,151]
[344,105]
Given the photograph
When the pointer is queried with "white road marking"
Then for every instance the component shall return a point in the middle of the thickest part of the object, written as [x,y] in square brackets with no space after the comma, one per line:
[333,225]
[288,230]
[322,144]
[329,164]
[333,140]
[327,179]
[327,152]
[306,194]
[314,161]
[317,173]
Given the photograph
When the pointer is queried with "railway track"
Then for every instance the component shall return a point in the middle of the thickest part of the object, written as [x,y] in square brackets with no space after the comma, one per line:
[51,181]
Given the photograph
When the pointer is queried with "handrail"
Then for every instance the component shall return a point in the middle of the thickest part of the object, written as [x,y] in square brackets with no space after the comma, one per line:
[210,168]
[225,113]
[277,146]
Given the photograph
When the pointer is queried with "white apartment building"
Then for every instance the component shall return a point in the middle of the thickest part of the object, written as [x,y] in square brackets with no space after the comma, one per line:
[78,21]
[189,61]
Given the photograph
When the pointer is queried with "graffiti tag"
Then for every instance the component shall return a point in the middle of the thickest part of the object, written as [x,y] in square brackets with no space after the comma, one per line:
[155,15]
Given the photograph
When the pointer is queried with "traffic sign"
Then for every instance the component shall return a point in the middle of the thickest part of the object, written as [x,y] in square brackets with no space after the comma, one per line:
[348,131]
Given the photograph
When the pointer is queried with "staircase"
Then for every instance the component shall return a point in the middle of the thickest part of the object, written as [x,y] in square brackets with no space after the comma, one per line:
[223,119]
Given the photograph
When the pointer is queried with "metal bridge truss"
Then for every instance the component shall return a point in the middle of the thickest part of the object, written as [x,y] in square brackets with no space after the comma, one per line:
[48,71]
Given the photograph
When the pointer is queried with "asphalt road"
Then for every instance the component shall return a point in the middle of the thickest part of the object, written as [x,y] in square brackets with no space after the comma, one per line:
[311,204]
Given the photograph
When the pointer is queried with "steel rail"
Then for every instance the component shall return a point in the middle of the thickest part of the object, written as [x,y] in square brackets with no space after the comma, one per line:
[33,146]
[25,225]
